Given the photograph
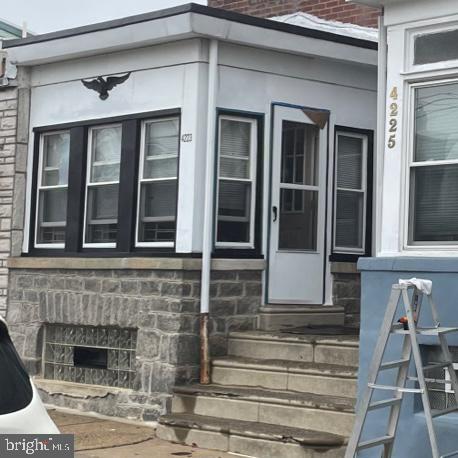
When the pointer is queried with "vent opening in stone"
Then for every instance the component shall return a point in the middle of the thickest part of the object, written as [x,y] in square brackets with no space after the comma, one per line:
[90,357]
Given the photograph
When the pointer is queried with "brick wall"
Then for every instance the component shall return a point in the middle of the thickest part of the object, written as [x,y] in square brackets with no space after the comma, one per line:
[14,109]
[162,305]
[336,10]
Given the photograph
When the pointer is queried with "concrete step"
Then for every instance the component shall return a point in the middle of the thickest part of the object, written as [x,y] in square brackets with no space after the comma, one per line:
[306,377]
[338,349]
[248,438]
[277,317]
[309,411]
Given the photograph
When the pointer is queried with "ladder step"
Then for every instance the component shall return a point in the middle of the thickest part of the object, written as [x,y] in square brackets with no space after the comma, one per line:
[448,455]
[433,366]
[429,380]
[384,403]
[374,442]
[424,331]
[393,364]
[395,388]
[439,413]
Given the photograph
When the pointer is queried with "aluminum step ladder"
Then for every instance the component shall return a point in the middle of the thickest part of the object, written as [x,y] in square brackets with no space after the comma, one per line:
[410,346]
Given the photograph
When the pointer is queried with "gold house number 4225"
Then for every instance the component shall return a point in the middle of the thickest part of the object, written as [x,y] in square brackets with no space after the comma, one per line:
[393,118]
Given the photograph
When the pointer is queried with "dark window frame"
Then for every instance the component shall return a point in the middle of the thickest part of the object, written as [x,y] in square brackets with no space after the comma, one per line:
[353,257]
[128,187]
[237,252]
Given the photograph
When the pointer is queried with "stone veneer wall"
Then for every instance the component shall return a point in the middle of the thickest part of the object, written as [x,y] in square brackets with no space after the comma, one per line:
[163,304]
[346,291]
[14,135]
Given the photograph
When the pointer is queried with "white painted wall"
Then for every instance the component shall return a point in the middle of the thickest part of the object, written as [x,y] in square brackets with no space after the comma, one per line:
[174,75]
[405,21]
[252,79]
[163,77]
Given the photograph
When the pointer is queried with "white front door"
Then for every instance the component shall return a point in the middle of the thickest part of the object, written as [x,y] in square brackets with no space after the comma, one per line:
[297,235]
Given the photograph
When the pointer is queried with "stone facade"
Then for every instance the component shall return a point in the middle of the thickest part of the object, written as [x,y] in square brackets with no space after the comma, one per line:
[335,10]
[162,304]
[346,291]
[14,127]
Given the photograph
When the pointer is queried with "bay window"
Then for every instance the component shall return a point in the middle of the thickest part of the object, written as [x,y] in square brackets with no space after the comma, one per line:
[433,206]
[236,184]
[52,189]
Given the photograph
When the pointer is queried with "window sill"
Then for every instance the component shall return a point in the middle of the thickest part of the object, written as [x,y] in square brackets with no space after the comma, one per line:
[134,263]
[76,390]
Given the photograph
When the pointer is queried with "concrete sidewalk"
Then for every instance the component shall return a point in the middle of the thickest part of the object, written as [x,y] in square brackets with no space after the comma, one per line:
[100,438]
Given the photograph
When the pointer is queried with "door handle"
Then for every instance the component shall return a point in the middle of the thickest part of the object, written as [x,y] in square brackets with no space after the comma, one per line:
[275,212]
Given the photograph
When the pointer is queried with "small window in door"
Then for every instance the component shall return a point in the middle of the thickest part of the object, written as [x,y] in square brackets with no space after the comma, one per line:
[350,193]
[298,222]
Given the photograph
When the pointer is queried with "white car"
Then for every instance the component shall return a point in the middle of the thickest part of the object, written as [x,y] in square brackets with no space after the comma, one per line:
[21,409]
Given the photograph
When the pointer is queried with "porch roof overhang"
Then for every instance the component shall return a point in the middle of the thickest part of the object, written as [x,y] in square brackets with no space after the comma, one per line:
[183,22]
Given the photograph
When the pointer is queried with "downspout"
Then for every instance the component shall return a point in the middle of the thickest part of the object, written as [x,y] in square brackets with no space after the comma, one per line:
[208,212]
[381,118]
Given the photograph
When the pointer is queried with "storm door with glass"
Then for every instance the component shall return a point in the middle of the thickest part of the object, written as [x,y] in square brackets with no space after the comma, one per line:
[296,255]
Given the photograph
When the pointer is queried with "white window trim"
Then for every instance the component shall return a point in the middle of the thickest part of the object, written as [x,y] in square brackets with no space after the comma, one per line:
[253,167]
[40,187]
[152,180]
[90,184]
[363,190]
[410,248]
[429,29]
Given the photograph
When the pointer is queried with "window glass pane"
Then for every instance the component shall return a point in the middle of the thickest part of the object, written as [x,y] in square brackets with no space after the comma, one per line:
[157,211]
[15,383]
[235,138]
[56,149]
[161,138]
[436,47]
[436,129]
[234,168]
[299,157]
[349,162]
[52,215]
[434,203]
[161,149]
[102,214]
[161,168]
[349,219]
[234,211]
[298,219]
[106,154]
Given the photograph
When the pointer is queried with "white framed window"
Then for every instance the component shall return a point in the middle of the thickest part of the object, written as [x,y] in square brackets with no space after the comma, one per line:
[236,182]
[158,183]
[52,186]
[350,190]
[432,166]
[432,46]
[102,186]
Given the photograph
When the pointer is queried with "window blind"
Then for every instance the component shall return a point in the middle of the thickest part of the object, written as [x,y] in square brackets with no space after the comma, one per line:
[435,203]
[350,193]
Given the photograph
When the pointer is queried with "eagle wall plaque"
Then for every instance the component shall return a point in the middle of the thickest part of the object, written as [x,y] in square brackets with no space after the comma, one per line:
[104,85]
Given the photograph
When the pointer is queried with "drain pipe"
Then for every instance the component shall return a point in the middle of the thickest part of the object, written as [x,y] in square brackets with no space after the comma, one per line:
[381,120]
[208,212]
